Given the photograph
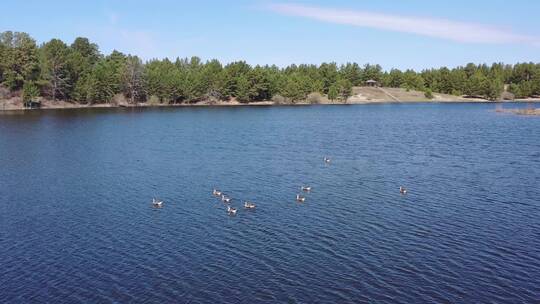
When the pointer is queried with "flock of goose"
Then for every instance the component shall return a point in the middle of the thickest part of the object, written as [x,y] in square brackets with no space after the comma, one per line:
[227,200]
[250,205]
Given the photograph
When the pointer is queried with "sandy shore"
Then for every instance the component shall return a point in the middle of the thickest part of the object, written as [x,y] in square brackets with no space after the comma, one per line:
[4,106]
[361,95]
[9,105]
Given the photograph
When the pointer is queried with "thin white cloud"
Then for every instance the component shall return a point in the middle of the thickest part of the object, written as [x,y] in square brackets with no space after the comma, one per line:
[431,27]
[137,42]
[112,35]
[112,17]
[144,43]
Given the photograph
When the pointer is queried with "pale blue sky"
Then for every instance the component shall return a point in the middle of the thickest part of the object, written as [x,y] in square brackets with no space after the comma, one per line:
[403,34]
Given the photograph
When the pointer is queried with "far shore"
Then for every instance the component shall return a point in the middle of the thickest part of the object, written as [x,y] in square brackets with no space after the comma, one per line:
[361,96]
[70,105]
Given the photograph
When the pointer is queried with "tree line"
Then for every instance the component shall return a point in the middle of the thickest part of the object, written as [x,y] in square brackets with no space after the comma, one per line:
[79,72]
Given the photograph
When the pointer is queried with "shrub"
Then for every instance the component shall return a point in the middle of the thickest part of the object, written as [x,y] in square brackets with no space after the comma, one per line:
[30,91]
[153,100]
[4,92]
[456,92]
[333,93]
[507,96]
[428,94]
[278,99]
[315,98]
[119,99]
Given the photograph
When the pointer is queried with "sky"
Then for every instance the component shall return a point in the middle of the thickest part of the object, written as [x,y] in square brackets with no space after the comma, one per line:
[401,34]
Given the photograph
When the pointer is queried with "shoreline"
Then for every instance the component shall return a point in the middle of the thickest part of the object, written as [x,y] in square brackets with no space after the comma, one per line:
[361,95]
[69,105]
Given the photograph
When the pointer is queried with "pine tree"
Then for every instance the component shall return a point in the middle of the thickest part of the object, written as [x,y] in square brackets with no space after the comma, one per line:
[333,93]
[54,68]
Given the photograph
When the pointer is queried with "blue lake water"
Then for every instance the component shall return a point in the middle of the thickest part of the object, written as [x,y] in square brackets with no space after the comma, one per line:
[76,223]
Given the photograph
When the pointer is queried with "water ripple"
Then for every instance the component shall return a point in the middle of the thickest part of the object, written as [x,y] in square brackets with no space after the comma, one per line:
[83,230]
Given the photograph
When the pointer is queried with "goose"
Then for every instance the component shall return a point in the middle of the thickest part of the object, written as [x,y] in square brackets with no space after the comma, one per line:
[157,203]
[306,188]
[231,211]
[402,190]
[225,199]
[216,192]
[300,198]
[249,205]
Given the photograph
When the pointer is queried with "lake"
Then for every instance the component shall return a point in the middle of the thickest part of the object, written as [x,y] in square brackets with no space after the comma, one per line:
[77,225]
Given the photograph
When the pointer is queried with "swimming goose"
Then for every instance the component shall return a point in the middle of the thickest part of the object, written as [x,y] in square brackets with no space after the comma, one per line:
[157,203]
[402,190]
[249,205]
[216,192]
[306,188]
[231,211]
[300,198]
[225,199]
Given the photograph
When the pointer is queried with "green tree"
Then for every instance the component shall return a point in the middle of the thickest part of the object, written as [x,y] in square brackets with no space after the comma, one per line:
[54,68]
[372,72]
[261,83]
[30,91]
[523,72]
[19,60]
[233,71]
[81,59]
[470,69]
[535,80]
[476,85]
[394,79]
[80,72]
[244,90]
[132,79]
[412,80]
[164,79]
[328,74]
[444,81]
[344,87]
[296,87]
[3,55]
[428,93]
[102,83]
[516,90]
[352,72]
[494,89]
[333,93]
[458,80]
[212,74]
[89,51]
[105,80]
[526,89]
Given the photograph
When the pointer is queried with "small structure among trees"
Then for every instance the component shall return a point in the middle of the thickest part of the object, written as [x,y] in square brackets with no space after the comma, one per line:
[372,83]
